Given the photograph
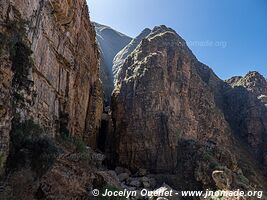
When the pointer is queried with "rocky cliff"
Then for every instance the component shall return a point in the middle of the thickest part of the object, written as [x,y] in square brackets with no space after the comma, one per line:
[119,59]
[49,68]
[253,82]
[170,115]
[245,110]
[110,43]
[50,101]
[173,120]
[160,92]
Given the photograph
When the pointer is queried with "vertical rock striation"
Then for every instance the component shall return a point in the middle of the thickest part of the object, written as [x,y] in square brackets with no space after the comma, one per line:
[5,103]
[158,100]
[51,49]
[173,115]
[245,110]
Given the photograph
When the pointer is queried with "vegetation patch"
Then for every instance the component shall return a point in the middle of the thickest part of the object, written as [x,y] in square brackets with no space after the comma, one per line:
[20,55]
[209,156]
[72,142]
[77,142]
[31,148]
[21,64]
[13,43]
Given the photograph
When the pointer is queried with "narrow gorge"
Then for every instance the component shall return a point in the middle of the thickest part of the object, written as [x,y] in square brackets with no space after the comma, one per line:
[84,107]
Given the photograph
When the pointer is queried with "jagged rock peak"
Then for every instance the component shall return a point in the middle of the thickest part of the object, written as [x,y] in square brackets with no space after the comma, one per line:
[101,27]
[159,30]
[162,28]
[159,36]
[162,36]
[161,40]
[143,34]
[253,81]
[126,51]
[256,77]
[234,80]
[252,76]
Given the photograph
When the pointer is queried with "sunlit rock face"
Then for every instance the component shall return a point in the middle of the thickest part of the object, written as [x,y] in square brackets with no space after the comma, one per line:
[173,115]
[159,99]
[126,51]
[253,82]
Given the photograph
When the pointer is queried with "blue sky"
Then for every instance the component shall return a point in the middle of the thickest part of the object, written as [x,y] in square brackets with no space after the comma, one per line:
[230,36]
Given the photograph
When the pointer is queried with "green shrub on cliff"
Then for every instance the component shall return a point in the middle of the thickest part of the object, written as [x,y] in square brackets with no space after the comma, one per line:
[75,141]
[31,148]
[21,63]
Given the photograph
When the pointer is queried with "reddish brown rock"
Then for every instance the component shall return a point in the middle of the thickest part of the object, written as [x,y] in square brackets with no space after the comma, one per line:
[171,116]
[245,110]
[160,98]
[62,90]
[253,81]
[70,177]
[5,108]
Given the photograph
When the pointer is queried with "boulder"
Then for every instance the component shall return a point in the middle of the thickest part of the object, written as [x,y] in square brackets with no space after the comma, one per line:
[123,177]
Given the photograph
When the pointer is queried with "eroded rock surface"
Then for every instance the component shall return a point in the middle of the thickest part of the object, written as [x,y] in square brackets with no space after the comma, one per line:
[245,110]
[159,98]
[119,59]
[253,82]
[172,115]
[49,67]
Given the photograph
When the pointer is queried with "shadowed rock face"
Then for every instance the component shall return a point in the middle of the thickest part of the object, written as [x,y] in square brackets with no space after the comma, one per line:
[110,43]
[245,110]
[49,67]
[253,82]
[160,98]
